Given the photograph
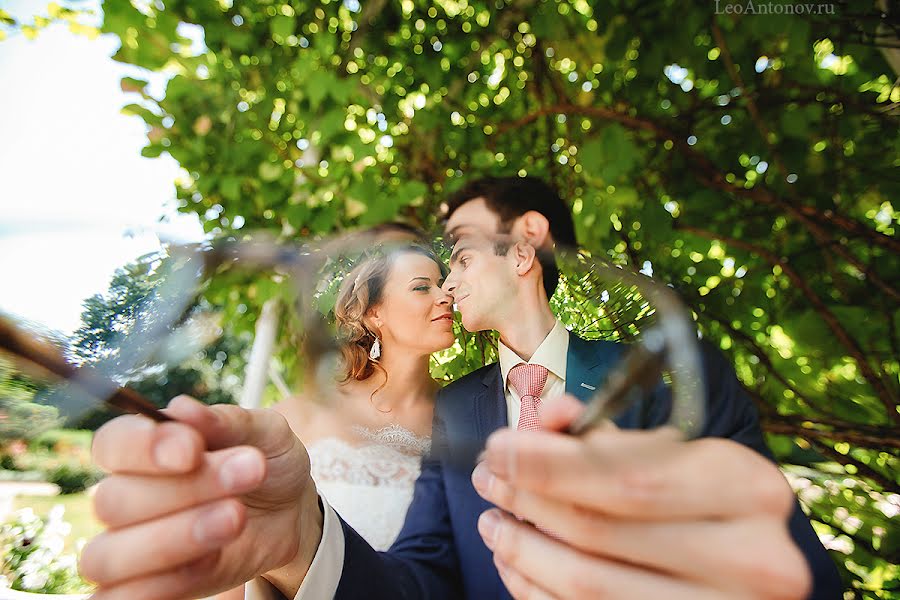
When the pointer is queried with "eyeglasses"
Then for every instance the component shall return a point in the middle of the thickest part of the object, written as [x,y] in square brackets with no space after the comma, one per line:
[164,330]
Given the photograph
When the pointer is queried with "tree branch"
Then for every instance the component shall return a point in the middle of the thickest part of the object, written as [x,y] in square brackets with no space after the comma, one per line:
[862,470]
[877,442]
[707,173]
[820,307]
[751,104]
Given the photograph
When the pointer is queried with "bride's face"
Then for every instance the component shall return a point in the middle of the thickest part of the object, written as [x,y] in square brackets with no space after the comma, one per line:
[415,314]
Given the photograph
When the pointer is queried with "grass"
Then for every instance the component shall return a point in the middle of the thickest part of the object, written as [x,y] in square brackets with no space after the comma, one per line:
[79,513]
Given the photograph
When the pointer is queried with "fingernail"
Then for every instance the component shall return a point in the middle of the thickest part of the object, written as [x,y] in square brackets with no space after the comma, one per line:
[488,523]
[500,457]
[217,525]
[482,479]
[173,452]
[240,472]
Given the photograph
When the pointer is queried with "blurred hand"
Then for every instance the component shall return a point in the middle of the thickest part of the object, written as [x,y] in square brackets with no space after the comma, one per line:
[636,514]
[202,504]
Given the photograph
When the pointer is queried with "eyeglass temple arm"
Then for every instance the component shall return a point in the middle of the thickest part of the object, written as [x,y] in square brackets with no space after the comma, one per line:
[24,347]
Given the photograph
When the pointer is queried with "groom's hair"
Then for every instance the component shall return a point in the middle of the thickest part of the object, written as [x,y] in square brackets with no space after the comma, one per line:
[510,198]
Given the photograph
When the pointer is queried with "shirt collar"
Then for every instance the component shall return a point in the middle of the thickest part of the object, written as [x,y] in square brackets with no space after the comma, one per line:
[551,353]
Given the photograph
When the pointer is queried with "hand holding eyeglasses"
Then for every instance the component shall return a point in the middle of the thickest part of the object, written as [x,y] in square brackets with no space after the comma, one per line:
[636,514]
[201,504]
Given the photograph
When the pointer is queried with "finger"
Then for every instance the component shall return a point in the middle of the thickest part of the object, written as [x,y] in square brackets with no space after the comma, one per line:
[518,585]
[121,500]
[225,425]
[641,474]
[551,565]
[135,444]
[164,544]
[192,580]
[559,413]
[766,559]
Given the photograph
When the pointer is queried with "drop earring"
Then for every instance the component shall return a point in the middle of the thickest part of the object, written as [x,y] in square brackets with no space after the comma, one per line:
[375,352]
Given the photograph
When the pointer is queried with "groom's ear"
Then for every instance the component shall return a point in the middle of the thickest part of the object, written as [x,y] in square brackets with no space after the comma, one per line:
[525,256]
[534,228]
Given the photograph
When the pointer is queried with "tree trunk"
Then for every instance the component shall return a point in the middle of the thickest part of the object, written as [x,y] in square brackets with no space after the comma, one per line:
[256,376]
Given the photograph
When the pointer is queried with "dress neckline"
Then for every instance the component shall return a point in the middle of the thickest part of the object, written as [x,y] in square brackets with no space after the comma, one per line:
[397,437]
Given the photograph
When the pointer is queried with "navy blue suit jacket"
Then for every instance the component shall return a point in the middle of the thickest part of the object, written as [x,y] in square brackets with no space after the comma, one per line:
[440,555]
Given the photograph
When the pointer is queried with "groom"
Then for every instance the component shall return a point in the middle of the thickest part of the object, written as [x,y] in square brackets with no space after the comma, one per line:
[632,513]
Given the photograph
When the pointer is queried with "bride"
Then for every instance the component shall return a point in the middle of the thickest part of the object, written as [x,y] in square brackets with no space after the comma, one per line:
[366,445]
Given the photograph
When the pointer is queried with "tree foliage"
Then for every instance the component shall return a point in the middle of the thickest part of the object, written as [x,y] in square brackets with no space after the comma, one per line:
[749,160]
[21,418]
[123,314]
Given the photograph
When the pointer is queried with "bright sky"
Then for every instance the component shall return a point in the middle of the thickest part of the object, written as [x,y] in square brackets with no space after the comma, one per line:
[77,200]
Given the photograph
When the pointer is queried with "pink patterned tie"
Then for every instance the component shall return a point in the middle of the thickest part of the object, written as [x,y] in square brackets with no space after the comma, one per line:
[528,381]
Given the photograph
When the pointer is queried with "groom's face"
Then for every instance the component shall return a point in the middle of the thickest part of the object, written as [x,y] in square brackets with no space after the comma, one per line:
[482,282]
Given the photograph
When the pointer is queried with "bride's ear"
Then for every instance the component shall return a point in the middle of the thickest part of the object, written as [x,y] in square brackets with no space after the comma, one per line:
[372,320]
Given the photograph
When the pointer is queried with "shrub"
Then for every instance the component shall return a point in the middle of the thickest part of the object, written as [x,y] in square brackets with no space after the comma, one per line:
[72,479]
[8,463]
[61,440]
[24,420]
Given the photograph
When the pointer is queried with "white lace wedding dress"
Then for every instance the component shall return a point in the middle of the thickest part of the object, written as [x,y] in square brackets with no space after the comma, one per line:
[370,484]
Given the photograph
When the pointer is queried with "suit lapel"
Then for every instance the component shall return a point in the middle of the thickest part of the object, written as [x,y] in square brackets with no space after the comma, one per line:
[587,364]
[490,415]
[490,405]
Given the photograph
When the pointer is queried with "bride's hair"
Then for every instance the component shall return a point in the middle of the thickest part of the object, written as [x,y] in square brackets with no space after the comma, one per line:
[361,290]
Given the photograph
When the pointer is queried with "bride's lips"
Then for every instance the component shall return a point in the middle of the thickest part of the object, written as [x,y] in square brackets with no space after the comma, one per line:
[445,316]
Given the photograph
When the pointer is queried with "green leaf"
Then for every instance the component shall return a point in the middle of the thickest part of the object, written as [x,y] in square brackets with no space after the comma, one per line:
[410,192]
[269,171]
[610,156]
[152,151]
[297,215]
[149,117]
[317,88]
[325,219]
[794,124]
[483,159]
[548,24]
[282,27]
[341,90]
[332,124]
[179,87]
[230,187]
[130,84]
[364,191]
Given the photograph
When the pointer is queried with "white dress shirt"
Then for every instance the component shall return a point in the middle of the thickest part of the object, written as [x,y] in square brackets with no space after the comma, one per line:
[324,573]
[553,354]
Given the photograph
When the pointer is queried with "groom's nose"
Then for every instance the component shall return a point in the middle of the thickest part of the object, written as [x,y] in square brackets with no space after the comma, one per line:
[444,299]
[449,284]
